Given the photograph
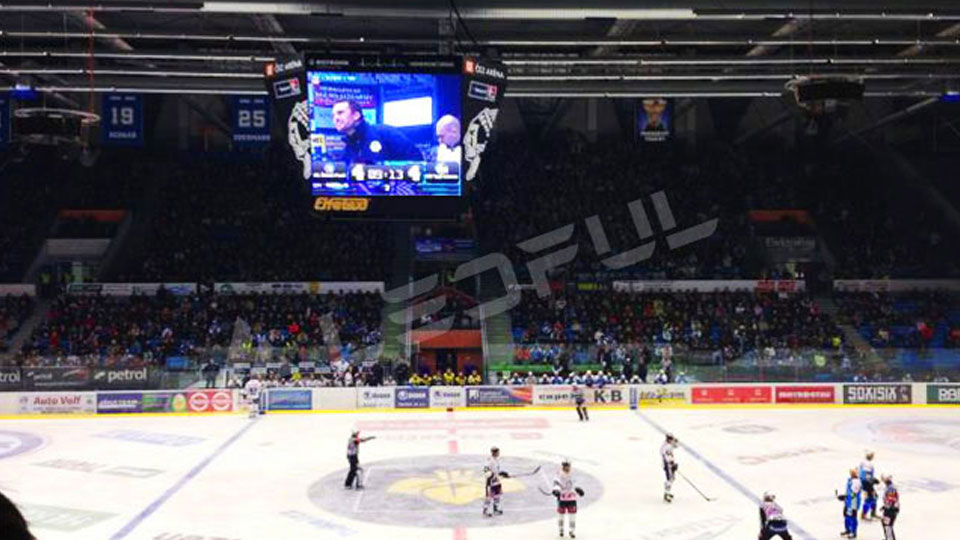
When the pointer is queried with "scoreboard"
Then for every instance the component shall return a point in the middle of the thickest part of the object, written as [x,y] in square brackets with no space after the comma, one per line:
[389,131]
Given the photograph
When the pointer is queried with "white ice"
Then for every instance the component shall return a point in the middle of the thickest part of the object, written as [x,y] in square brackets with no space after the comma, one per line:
[228,477]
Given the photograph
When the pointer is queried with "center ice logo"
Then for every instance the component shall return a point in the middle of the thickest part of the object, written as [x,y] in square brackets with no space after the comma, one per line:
[457,487]
[443,491]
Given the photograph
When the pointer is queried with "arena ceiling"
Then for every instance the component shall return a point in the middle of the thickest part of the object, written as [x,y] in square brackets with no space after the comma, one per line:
[558,48]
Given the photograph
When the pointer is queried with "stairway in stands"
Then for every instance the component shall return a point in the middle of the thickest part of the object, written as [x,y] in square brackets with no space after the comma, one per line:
[401,267]
[851,335]
[497,330]
[28,326]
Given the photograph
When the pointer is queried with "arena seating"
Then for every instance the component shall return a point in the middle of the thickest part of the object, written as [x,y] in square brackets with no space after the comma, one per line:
[228,221]
[532,187]
[907,320]
[698,320]
[14,310]
[120,330]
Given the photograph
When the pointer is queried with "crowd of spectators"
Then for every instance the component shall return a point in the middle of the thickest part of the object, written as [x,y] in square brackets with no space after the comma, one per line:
[447,378]
[105,330]
[14,310]
[343,374]
[598,380]
[920,319]
[350,376]
[227,220]
[706,321]
[34,189]
[530,187]
[878,231]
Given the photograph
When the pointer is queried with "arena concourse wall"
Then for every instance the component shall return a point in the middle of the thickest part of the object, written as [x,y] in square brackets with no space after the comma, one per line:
[406,398]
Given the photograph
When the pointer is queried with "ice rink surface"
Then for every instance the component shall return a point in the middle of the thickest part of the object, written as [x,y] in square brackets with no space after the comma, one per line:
[281,476]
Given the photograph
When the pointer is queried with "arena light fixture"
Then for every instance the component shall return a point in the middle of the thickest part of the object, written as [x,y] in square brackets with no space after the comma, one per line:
[258,58]
[700,94]
[726,77]
[516,93]
[534,12]
[130,73]
[147,90]
[45,34]
[861,42]
[748,42]
[727,61]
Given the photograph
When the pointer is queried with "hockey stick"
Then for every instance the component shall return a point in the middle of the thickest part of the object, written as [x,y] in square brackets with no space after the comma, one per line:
[708,499]
[531,473]
[545,492]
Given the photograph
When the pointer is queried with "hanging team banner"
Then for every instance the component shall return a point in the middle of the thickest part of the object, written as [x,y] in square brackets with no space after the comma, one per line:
[251,120]
[654,120]
[286,80]
[484,84]
[5,131]
[121,119]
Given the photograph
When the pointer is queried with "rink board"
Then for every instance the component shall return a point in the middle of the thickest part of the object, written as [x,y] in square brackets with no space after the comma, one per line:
[411,399]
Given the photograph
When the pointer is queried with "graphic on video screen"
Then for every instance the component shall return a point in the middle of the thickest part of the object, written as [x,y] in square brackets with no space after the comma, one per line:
[384,134]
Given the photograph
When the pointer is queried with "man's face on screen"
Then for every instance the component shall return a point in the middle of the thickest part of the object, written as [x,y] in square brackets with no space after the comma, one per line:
[448,132]
[345,119]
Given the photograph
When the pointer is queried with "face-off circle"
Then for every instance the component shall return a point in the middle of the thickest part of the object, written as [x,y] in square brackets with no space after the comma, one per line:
[445,491]
[939,436]
[13,443]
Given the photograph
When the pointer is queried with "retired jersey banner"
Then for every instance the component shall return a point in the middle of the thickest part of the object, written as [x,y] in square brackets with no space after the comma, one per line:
[654,122]
[251,120]
[121,120]
[5,131]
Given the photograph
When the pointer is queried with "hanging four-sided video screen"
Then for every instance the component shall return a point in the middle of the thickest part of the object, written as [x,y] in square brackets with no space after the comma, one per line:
[383,130]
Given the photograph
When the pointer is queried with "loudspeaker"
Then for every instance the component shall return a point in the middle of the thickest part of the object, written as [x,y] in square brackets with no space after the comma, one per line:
[829,89]
[48,129]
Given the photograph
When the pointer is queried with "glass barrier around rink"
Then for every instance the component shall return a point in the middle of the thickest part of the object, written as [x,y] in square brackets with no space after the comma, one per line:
[843,364]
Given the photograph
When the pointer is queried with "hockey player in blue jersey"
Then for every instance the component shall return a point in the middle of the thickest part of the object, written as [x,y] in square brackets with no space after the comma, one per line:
[851,504]
[869,482]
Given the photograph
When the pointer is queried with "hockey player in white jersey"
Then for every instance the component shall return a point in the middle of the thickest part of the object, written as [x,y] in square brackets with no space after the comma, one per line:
[577,393]
[251,393]
[772,522]
[669,465]
[566,492]
[494,489]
